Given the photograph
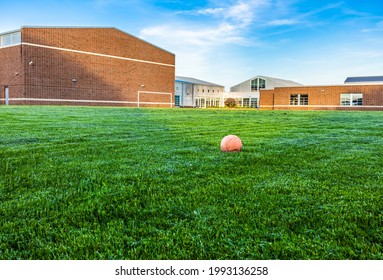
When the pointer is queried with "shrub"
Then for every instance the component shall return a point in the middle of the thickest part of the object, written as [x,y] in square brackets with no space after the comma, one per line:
[230,102]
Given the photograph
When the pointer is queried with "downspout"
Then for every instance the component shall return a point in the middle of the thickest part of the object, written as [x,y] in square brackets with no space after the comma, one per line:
[193,97]
[273,100]
[23,66]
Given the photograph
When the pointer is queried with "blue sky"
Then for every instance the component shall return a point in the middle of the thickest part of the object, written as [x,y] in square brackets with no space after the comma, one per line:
[229,41]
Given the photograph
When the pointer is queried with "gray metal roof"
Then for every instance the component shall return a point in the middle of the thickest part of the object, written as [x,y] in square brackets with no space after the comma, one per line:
[280,81]
[195,81]
[276,82]
[365,79]
[8,32]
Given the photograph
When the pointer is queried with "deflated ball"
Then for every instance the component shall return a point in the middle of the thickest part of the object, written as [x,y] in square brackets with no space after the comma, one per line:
[231,143]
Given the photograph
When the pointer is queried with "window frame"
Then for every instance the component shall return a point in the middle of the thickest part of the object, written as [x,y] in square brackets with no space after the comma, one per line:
[261,83]
[253,102]
[294,99]
[246,102]
[299,99]
[257,84]
[254,85]
[303,99]
[351,99]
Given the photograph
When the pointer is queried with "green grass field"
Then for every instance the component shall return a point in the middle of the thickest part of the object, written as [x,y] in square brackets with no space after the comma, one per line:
[130,183]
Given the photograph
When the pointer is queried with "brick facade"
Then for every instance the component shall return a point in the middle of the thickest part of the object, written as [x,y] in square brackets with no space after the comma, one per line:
[87,66]
[11,72]
[322,97]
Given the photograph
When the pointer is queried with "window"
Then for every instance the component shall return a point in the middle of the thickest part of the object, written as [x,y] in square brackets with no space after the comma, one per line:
[188,89]
[212,102]
[294,99]
[299,99]
[200,103]
[246,102]
[254,103]
[10,39]
[304,99]
[177,100]
[345,100]
[254,85]
[257,84]
[262,83]
[357,99]
[351,99]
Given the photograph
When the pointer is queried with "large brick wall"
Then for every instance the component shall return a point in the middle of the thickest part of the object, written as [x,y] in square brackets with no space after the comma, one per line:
[93,66]
[108,41]
[322,97]
[266,100]
[11,72]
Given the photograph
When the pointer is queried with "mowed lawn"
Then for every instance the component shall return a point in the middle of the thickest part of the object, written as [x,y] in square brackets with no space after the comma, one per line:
[130,183]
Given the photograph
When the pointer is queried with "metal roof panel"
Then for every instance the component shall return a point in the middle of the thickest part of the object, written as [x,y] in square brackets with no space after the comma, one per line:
[365,79]
[195,81]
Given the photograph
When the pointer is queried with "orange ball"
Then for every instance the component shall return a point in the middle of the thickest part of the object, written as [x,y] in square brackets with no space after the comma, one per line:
[231,143]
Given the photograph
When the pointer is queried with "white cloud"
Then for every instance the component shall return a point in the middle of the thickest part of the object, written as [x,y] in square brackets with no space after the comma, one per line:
[208,43]
[211,11]
[224,25]
[283,22]
[242,13]
[190,37]
[208,34]
[193,47]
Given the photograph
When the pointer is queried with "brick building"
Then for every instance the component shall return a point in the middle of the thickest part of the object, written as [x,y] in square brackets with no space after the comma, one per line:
[84,66]
[339,97]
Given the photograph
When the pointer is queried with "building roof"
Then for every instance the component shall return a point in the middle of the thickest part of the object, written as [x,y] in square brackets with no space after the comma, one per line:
[276,82]
[10,31]
[280,81]
[195,81]
[364,79]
